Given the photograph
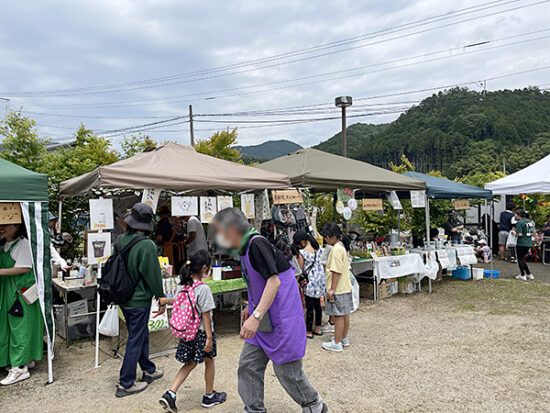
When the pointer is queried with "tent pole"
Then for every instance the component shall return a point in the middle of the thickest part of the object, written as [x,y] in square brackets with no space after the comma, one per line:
[486,219]
[427,208]
[98,313]
[59,211]
[399,225]
[491,239]
[50,360]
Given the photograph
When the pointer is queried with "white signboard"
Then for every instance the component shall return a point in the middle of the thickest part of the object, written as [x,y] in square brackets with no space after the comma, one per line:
[98,246]
[157,322]
[247,205]
[208,208]
[225,201]
[151,197]
[185,206]
[394,200]
[418,199]
[101,214]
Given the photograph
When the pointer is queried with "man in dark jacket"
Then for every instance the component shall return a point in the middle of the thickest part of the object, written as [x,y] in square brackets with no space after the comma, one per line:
[453,227]
[506,223]
[144,268]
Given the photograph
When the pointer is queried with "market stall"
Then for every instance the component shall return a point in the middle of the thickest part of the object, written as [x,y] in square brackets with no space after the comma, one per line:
[198,184]
[30,191]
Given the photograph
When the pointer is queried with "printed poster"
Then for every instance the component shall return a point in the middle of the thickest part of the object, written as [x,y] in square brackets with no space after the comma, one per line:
[247,205]
[157,323]
[372,204]
[225,201]
[99,246]
[394,200]
[418,199]
[101,214]
[151,198]
[185,206]
[208,208]
[10,213]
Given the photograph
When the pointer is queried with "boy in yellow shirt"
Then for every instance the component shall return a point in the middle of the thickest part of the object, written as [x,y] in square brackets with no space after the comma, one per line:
[339,301]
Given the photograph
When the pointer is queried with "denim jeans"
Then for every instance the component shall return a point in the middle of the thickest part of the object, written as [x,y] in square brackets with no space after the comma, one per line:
[137,347]
[252,365]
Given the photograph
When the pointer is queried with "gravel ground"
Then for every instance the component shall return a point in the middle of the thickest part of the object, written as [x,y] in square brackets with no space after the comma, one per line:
[470,346]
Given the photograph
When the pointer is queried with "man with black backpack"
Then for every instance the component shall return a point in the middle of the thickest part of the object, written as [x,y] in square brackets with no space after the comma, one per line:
[143,268]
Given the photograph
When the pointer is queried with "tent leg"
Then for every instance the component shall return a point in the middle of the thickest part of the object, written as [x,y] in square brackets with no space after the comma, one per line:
[427,208]
[59,212]
[98,312]
[50,361]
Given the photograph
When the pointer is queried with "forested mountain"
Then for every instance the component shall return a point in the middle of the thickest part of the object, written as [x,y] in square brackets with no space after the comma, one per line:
[267,150]
[461,131]
[357,135]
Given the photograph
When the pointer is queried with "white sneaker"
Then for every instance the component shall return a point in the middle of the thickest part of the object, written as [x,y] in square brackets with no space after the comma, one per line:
[345,342]
[30,365]
[327,328]
[530,277]
[16,374]
[332,346]
[521,277]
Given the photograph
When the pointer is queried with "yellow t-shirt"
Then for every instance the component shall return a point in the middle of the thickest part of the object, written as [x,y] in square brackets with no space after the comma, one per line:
[338,262]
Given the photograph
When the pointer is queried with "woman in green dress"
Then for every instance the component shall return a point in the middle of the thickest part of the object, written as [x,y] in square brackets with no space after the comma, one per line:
[21,324]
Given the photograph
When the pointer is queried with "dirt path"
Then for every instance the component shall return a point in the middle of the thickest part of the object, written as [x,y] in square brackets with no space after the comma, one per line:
[479,346]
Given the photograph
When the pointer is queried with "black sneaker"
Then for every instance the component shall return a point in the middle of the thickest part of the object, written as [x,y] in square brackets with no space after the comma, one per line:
[325,408]
[217,398]
[168,402]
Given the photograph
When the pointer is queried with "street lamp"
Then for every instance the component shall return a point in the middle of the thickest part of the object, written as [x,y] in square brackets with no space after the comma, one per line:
[343,102]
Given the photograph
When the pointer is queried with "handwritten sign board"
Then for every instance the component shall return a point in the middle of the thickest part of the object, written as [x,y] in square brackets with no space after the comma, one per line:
[151,197]
[418,199]
[372,204]
[10,213]
[461,204]
[287,196]
[185,206]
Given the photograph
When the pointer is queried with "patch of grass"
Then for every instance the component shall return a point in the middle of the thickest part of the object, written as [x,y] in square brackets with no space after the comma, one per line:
[468,307]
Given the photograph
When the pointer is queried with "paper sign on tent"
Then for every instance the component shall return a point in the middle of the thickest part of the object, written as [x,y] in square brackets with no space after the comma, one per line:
[185,206]
[10,213]
[101,213]
[151,197]
[418,199]
[461,204]
[287,196]
[372,204]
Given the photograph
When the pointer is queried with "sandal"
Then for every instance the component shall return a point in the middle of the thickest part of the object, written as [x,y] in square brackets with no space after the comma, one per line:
[318,334]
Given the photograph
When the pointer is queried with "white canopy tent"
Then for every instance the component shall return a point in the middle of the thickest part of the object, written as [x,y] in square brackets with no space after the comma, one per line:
[535,179]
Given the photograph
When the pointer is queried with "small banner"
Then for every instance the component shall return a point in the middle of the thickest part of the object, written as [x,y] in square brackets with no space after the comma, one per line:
[287,196]
[10,213]
[461,204]
[151,198]
[372,204]
[418,199]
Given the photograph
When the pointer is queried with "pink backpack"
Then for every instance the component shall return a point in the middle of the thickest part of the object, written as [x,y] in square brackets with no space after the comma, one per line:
[186,320]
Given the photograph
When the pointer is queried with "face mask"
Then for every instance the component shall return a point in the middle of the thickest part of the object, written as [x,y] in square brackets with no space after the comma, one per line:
[222,242]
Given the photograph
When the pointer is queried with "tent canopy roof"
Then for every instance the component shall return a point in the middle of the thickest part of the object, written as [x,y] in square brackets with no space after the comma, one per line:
[20,184]
[535,179]
[323,171]
[174,167]
[443,188]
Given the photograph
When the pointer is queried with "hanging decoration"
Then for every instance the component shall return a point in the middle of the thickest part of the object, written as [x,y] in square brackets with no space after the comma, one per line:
[534,201]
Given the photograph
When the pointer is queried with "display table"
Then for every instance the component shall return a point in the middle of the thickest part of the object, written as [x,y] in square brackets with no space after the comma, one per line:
[226,286]
[65,288]
[362,265]
[395,267]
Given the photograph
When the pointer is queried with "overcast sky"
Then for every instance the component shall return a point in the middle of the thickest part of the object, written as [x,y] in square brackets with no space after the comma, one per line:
[49,49]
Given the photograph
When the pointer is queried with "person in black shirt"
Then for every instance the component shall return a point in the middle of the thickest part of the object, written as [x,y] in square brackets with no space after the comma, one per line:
[453,227]
[265,258]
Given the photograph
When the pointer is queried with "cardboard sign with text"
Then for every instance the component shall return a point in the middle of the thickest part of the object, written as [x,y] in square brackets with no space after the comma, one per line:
[372,204]
[461,204]
[287,196]
[10,213]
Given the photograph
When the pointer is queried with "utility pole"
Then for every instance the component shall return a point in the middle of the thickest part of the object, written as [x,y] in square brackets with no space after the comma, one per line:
[191,125]
[343,102]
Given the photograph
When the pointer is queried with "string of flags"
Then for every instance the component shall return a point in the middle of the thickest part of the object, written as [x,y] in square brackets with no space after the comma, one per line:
[534,201]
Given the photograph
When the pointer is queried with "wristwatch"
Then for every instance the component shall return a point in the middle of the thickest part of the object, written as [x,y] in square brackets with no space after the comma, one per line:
[257,315]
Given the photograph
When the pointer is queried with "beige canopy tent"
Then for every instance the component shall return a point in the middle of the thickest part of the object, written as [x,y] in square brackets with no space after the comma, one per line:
[177,168]
[323,171]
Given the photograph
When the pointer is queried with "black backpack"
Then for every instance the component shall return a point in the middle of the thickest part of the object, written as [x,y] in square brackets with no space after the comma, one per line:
[115,285]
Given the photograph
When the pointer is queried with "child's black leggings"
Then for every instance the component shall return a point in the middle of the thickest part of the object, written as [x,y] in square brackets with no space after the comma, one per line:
[313,310]
[521,252]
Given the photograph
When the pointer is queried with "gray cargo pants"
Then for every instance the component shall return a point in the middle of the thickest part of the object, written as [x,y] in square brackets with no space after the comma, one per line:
[252,365]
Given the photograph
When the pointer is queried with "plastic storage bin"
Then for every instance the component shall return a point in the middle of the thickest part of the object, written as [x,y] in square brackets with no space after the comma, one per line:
[477,273]
[462,273]
[488,274]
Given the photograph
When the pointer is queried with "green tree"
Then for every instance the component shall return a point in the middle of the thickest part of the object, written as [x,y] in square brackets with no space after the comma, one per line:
[220,145]
[20,141]
[134,144]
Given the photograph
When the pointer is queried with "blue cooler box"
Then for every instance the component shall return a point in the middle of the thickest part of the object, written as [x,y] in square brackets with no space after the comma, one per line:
[462,273]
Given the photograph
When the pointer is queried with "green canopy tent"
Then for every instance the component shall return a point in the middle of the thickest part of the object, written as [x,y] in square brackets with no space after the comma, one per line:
[30,189]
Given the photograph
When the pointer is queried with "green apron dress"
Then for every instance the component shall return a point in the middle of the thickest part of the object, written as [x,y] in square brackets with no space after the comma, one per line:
[21,338]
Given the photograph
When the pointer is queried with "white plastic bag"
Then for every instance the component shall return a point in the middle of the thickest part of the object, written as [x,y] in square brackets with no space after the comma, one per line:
[109,324]
[512,240]
[354,292]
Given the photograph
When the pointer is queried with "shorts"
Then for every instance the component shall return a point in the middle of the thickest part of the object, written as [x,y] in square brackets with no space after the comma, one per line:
[503,237]
[342,305]
[192,351]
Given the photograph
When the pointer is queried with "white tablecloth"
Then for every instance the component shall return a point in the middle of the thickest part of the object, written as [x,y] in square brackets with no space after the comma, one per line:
[466,254]
[399,266]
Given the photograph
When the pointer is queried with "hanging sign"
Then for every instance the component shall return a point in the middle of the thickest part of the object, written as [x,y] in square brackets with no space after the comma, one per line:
[10,213]
[98,246]
[101,213]
[394,200]
[208,208]
[418,199]
[185,206]
[461,204]
[247,205]
[345,194]
[372,204]
[151,198]
[340,207]
[287,196]
[352,204]
[225,201]
[347,213]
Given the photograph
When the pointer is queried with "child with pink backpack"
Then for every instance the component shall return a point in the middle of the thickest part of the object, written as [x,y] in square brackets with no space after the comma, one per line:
[192,323]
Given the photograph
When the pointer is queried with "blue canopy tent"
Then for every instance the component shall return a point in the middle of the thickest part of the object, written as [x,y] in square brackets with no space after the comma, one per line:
[443,188]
